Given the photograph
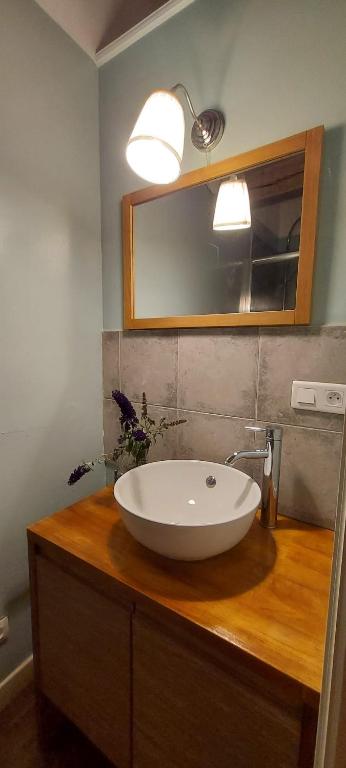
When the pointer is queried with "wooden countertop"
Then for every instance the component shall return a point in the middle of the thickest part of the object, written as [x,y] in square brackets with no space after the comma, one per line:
[268,596]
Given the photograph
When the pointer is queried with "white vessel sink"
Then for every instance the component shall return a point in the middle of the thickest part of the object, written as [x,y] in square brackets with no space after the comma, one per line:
[168,507]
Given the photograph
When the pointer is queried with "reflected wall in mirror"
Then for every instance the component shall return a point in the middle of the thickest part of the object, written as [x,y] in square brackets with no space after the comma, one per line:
[180,272]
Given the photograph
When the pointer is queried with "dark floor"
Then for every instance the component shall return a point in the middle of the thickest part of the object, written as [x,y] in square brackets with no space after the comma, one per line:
[19,746]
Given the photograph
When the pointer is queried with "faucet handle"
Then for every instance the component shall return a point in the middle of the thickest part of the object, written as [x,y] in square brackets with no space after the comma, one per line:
[272,431]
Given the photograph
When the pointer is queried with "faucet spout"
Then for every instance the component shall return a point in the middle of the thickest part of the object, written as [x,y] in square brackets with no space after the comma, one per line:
[261,453]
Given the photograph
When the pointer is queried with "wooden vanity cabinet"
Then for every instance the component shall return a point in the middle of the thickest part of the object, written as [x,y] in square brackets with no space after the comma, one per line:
[151,694]
[193,707]
[83,650]
[180,665]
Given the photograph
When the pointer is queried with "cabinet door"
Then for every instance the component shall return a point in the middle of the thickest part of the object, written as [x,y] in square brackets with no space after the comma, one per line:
[84,658]
[190,712]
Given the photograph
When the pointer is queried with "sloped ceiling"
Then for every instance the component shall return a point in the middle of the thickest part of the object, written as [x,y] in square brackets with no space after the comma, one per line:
[95,23]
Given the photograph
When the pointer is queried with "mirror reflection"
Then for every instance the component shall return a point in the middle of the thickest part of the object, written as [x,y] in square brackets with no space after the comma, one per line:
[183,266]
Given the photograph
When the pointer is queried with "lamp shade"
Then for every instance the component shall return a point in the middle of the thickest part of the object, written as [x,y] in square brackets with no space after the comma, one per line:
[155,147]
[232,210]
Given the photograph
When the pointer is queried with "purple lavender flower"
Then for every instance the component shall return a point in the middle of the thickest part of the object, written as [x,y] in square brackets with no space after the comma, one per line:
[135,439]
[144,406]
[140,435]
[128,416]
[77,473]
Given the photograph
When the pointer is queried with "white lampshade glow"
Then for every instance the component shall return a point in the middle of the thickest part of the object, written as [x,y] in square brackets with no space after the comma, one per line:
[232,210]
[155,147]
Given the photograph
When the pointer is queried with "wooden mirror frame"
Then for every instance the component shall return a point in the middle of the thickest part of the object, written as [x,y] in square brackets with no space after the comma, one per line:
[310,142]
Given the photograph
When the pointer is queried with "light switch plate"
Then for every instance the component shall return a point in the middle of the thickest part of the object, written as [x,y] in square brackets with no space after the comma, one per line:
[318,396]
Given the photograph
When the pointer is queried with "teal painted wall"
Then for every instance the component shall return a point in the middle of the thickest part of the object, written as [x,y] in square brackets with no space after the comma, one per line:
[274,68]
[50,290]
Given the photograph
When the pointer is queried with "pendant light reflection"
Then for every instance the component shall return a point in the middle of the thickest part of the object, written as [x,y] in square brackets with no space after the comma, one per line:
[232,210]
[155,147]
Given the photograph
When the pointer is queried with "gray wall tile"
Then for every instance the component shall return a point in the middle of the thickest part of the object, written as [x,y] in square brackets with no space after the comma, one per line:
[218,371]
[212,438]
[310,475]
[149,363]
[110,362]
[307,354]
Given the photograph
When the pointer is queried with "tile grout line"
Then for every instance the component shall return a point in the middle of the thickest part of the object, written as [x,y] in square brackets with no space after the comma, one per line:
[119,358]
[258,373]
[238,418]
[307,429]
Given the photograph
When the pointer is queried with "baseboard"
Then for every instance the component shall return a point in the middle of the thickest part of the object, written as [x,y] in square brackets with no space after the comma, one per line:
[15,682]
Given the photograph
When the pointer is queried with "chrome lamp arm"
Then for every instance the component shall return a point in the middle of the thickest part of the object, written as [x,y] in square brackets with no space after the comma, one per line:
[208,127]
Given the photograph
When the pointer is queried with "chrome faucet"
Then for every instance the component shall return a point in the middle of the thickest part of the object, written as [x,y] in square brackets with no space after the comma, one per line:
[271,471]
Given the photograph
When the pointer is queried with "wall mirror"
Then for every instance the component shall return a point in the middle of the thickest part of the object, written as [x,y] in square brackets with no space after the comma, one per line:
[181,272]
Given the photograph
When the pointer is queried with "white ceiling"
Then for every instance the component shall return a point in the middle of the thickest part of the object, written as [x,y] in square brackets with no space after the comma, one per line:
[95,23]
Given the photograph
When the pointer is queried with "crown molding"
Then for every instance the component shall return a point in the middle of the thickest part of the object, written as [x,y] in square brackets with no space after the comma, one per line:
[158,17]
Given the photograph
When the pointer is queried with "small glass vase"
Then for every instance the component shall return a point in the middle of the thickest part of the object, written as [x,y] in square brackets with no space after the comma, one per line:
[127,462]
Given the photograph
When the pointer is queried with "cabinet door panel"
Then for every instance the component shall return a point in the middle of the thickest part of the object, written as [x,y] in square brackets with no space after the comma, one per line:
[84,658]
[188,711]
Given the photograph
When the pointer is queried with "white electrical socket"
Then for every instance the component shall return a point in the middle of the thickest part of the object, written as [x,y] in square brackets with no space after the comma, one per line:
[4,628]
[316,396]
[334,397]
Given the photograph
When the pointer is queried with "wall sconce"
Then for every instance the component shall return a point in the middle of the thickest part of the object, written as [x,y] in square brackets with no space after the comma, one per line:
[155,148]
[232,210]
